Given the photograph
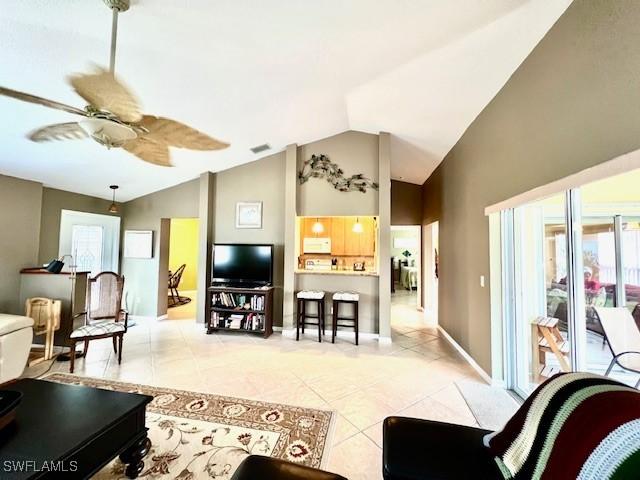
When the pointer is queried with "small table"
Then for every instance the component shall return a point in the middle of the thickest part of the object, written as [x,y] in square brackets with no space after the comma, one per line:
[74,429]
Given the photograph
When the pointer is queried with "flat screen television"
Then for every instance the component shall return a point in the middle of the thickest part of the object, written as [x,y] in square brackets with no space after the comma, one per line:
[242,264]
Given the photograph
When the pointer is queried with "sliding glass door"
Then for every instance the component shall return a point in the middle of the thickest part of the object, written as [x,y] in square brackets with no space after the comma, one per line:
[539,270]
[564,258]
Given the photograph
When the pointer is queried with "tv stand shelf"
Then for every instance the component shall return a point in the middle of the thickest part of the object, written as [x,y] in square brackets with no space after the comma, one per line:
[246,310]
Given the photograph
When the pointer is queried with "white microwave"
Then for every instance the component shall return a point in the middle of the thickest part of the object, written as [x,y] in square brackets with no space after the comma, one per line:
[316,245]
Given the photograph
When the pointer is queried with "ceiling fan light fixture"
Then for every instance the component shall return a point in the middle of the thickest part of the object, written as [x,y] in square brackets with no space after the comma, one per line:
[107,132]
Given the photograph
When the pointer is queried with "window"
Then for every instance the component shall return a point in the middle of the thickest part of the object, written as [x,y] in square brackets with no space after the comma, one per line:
[86,245]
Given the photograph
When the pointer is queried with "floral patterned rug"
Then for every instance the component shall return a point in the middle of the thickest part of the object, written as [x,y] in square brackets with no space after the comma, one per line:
[198,435]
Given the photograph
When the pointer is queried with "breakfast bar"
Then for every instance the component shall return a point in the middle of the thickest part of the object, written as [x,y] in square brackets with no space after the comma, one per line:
[340,254]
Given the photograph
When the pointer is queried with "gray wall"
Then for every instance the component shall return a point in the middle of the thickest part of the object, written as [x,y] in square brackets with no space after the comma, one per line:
[20,204]
[264,181]
[145,277]
[53,202]
[572,104]
[354,152]
[406,203]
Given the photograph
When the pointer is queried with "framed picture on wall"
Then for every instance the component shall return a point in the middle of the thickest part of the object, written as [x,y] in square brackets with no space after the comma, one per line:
[249,215]
[138,244]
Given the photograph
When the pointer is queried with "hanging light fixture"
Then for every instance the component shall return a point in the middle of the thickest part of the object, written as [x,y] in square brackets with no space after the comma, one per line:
[113,208]
[357,227]
[317,227]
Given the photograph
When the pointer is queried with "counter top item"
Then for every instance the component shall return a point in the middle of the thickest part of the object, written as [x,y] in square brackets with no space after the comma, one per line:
[353,273]
[42,271]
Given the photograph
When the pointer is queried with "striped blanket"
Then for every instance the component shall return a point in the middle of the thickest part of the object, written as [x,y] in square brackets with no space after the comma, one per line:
[575,425]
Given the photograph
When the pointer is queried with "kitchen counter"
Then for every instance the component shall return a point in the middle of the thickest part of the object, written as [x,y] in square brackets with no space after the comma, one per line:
[366,273]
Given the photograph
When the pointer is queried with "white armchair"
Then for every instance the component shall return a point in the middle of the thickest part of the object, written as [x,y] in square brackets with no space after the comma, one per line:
[16,335]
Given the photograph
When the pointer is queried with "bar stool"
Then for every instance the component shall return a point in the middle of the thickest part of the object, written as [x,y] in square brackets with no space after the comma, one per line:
[348,298]
[310,296]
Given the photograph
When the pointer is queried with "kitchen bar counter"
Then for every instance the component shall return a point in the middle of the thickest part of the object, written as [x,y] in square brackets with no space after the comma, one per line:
[353,273]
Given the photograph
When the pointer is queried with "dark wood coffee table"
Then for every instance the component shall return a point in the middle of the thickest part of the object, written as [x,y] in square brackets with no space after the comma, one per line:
[73,429]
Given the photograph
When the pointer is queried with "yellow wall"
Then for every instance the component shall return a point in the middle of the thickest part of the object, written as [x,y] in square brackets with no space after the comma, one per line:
[183,248]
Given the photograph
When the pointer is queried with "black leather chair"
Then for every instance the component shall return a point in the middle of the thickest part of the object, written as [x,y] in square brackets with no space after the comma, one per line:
[415,449]
[256,467]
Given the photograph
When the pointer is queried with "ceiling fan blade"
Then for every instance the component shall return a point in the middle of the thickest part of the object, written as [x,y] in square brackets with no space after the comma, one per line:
[58,131]
[149,150]
[178,134]
[103,91]
[26,97]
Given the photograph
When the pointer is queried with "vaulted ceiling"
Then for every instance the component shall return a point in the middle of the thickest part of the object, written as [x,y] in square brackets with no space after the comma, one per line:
[253,71]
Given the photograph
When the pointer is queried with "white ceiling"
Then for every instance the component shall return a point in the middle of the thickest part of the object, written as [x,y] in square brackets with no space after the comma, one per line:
[255,71]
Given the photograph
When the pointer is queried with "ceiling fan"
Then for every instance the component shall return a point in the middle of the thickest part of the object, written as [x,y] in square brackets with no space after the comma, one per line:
[113,118]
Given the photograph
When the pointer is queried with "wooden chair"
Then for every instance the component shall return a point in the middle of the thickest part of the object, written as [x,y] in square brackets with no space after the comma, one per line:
[174,282]
[104,317]
[45,313]
[546,338]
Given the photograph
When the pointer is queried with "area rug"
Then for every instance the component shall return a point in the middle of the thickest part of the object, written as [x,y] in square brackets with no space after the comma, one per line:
[198,435]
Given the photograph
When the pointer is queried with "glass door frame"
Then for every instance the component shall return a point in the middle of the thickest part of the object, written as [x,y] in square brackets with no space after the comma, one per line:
[576,317]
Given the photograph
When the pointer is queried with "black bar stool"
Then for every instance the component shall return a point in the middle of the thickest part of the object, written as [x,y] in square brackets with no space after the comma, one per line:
[309,296]
[345,298]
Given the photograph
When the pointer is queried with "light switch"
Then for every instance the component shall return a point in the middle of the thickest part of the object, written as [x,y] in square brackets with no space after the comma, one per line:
[482,281]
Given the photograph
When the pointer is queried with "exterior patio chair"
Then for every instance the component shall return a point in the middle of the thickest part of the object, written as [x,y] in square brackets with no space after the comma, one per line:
[623,337]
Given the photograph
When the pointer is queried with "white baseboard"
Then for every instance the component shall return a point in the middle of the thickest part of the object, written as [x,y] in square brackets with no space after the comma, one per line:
[485,376]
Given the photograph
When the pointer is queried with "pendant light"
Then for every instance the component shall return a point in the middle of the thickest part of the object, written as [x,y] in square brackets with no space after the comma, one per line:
[357,227]
[113,208]
[317,227]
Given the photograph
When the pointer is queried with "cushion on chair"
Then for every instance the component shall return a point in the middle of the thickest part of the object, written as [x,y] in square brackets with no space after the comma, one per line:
[256,467]
[310,295]
[415,449]
[346,296]
[11,323]
[574,425]
[98,328]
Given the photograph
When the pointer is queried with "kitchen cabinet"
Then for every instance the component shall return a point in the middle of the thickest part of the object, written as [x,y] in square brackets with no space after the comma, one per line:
[337,236]
[344,241]
[367,237]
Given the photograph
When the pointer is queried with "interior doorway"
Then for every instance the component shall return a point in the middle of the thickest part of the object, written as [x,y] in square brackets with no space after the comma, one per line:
[182,267]
[406,266]
[430,265]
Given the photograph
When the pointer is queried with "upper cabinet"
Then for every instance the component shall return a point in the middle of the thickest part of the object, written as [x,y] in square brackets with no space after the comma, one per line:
[344,240]
[337,236]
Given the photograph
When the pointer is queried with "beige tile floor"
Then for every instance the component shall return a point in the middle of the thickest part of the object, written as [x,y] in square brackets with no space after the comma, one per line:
[413,376]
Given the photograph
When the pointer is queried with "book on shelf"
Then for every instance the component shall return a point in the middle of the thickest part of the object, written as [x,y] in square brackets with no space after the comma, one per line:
[238,301]
[250,321]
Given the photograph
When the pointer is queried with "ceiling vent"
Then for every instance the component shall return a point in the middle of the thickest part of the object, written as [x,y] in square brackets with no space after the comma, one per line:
[260,148]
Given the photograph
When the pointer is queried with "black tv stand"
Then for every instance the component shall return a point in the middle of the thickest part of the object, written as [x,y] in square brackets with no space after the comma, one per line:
[240,309]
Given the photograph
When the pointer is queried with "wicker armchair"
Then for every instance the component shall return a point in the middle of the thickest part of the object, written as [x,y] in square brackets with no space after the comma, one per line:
[104,317]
